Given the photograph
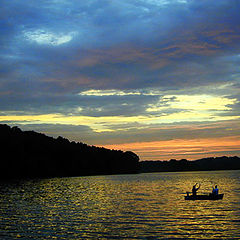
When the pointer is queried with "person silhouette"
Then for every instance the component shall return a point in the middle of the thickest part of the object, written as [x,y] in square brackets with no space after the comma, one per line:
[215,190]
[194,189]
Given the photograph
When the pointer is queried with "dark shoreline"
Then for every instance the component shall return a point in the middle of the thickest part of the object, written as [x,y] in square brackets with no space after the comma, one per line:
[204,164]
[32,155]
[28,154]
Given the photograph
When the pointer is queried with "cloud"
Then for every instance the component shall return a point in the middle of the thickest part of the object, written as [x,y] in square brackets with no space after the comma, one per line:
[192,102]
[119,67]
[111,92]
[179,148]
[101,123]
[41,36]
[122,57]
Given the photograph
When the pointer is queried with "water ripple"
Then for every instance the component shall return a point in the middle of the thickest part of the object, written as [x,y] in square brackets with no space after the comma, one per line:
[144,206]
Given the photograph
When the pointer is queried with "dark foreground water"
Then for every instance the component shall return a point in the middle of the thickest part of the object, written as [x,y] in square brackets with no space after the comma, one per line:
[143,206]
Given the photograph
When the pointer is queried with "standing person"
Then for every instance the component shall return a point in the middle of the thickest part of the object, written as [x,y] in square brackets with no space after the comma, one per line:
[215,190]
[194,189]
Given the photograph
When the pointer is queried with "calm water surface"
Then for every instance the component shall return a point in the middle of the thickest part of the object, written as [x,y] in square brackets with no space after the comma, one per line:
[143,206]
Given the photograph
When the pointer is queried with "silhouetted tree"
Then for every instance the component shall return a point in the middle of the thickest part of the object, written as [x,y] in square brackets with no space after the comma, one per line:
[31,154]
[204,164]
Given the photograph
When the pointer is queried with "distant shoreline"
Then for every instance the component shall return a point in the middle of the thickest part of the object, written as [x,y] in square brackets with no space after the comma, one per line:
[183,165]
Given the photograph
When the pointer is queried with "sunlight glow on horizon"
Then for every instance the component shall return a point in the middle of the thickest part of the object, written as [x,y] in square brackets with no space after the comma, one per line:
[100,124]
[181,148]
[193,108]
[199,102]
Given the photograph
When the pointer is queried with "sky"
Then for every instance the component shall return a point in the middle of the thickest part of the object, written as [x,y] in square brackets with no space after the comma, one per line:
[160,78]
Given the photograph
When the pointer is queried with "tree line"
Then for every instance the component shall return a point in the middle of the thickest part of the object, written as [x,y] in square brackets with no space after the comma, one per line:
[28,154]
[204,164]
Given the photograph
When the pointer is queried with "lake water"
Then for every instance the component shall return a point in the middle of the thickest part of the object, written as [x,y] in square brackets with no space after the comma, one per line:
[141,206]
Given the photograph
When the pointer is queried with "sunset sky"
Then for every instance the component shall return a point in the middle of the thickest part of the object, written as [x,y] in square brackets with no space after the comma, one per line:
[157,77]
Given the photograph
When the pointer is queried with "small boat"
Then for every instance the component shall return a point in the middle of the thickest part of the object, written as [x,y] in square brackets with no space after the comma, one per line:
[209,196]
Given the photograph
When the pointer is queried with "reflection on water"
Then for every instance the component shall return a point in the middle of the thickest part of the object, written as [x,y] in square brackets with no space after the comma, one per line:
[144,206]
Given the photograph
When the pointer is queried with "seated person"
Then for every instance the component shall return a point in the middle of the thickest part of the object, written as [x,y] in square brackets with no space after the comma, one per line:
[215,190]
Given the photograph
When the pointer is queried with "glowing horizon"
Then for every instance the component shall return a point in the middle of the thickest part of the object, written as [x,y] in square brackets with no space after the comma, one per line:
[191,149]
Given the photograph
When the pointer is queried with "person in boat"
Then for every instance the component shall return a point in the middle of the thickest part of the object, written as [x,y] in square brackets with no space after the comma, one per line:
[215,190]
[194,189]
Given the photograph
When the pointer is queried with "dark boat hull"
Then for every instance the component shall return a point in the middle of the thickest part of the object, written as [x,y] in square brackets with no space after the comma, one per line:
[204,197]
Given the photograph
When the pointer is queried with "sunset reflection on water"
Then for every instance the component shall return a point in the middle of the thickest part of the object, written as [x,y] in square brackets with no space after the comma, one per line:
[143,206]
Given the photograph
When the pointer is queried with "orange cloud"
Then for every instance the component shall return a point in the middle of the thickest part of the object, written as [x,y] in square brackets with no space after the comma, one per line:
[124,54]
[181,148]
[223,36]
